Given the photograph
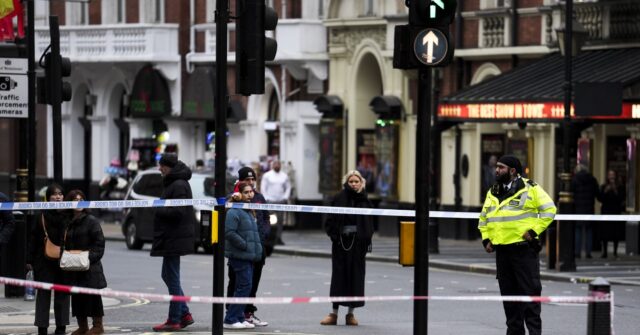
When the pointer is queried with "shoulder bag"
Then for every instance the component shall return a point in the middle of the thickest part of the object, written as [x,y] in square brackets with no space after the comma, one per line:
[73,260]
[51,251]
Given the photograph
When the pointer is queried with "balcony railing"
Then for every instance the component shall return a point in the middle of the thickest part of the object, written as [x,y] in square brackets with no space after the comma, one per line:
[615,21]
[115,43]
[494,31]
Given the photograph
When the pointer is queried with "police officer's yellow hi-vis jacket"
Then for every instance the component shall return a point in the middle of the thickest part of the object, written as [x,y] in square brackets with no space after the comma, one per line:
[529,208]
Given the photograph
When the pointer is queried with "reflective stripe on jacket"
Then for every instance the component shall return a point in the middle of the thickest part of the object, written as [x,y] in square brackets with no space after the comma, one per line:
[529,208]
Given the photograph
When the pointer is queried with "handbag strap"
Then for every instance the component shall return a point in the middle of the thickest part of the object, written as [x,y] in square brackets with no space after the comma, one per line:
[44,227]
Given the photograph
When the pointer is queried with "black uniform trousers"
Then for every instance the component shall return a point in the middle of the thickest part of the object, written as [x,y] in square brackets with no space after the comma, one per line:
[518,268]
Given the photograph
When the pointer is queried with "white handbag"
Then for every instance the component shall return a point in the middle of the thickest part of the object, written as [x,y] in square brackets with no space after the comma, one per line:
[74,260]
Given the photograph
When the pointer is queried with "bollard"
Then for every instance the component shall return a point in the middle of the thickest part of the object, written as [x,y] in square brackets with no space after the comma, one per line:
[599,312]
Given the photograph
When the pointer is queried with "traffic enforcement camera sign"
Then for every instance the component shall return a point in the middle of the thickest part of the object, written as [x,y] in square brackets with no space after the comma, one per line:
[14,93]
[431,46]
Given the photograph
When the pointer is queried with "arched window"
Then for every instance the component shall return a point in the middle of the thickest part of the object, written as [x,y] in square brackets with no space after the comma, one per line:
[273,133]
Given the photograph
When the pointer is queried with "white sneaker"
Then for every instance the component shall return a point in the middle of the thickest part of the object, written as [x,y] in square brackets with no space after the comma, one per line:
[256,321]
[237,325]
[248,325]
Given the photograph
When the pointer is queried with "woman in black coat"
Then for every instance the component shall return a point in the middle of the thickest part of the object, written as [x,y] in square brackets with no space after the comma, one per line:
[84,233]
[351,240]
[48,270]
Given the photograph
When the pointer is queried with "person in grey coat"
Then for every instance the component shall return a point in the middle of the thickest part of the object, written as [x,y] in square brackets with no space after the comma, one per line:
[242,248]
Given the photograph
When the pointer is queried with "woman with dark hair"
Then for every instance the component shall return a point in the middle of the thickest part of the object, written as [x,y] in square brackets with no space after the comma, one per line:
[84,233]
[242,248]
[351,240]
[50,224]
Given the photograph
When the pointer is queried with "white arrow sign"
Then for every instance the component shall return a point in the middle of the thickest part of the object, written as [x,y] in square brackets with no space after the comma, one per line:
[433,7]
[429,40]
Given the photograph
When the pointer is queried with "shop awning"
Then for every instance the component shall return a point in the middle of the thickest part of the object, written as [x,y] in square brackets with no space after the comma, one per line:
[535,91]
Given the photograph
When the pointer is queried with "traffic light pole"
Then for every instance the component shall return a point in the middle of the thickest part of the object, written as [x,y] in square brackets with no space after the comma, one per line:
[221,97]
[423,186]
[56,100]
[31,74]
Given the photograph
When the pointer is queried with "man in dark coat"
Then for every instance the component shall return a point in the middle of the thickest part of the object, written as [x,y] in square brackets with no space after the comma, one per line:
[173,237]
[585,189]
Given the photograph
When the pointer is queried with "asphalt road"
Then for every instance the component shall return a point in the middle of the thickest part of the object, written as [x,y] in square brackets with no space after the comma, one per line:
[300,276]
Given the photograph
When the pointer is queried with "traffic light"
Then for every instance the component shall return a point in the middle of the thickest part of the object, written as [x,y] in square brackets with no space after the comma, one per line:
[425,41]
[52,90]
[253,48]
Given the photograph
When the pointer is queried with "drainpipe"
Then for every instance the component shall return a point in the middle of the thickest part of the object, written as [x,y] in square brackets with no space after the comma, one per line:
[514,31]
[192,37]
[283,95]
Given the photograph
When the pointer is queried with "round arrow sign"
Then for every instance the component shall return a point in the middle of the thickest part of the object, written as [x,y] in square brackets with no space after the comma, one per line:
[431,46]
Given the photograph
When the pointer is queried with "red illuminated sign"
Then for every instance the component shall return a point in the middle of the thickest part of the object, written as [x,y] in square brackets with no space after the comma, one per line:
[523,110]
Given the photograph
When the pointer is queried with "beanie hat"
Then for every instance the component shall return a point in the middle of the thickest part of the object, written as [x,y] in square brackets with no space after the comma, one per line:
[512,162]
[246,172]
[169,160]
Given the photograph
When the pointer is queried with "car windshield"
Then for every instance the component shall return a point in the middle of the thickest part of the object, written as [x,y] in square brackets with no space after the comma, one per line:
[202,187]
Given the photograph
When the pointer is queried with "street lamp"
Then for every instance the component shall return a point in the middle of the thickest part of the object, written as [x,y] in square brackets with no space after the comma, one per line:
[569,47]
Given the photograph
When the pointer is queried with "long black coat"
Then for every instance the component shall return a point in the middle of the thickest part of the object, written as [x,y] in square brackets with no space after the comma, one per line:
[45,269]
[585,190]
[85,233]
[7,223]
[173,226]
[348,252]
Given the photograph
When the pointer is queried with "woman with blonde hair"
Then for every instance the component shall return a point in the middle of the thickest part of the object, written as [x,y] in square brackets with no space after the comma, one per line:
[351,240]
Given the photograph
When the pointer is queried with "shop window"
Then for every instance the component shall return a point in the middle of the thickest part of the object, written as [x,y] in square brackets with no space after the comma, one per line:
[273,133]
[488,4]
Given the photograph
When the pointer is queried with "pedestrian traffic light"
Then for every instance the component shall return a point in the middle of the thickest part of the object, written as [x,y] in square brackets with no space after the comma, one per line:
[253,48]
[425,40]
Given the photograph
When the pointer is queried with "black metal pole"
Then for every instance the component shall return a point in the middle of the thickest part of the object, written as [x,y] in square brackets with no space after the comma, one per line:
[434,159]
[56,102]
[221,97]
[31,75]
[421,271]
[566,229]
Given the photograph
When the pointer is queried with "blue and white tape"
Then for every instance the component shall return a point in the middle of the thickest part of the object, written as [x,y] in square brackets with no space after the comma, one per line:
[411,213]
[25,206]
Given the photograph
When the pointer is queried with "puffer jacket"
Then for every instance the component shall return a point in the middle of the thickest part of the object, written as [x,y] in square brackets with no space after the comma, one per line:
[242,240]
[173,226]
[84,233]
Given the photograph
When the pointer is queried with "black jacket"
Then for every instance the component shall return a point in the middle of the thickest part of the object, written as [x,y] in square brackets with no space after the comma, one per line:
[173,226]
[7,223]
[85,233]
[585,189]
[45,269]
[335,222]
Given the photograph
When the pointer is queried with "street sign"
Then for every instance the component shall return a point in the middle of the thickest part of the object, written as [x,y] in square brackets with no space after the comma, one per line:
[430,46]
[14,93]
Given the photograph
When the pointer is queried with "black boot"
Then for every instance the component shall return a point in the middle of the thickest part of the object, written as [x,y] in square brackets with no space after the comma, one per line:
[42,330]
[60,330]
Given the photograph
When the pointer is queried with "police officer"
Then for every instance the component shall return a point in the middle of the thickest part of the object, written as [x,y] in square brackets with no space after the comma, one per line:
[515,212]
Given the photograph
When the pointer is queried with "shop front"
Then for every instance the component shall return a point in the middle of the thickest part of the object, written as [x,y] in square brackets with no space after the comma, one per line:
[520,113]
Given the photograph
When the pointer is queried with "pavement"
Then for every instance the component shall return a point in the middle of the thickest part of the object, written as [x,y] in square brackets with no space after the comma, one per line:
[456,255]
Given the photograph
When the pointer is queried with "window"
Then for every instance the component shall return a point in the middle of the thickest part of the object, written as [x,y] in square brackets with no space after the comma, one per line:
[487,4]
[77,13]
[152,11]
[113,11]
[368,8]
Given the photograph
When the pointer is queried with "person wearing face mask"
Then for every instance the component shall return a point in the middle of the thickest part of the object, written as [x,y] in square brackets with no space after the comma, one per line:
[243,249]
[515,212]
[51,224]
[248,175]
[351,240]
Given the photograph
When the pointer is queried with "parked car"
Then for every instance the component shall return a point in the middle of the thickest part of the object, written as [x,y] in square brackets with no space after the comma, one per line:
[138,222]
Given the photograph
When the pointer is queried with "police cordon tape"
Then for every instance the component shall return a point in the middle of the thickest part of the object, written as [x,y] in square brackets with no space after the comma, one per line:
[594,297]
[22,206]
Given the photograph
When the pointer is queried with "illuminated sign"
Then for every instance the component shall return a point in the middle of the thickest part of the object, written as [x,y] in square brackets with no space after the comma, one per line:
[523,110]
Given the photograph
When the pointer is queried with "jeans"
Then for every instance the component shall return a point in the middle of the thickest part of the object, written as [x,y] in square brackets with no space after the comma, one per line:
[244,271]
[583,229]
[171,277]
